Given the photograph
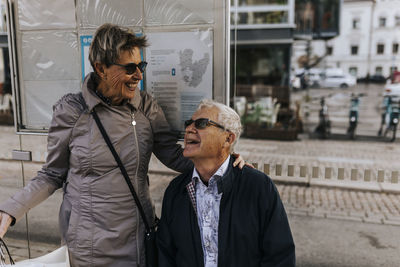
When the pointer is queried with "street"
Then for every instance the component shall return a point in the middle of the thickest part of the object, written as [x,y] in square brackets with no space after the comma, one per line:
[338,101]
[340,219]
[340,243]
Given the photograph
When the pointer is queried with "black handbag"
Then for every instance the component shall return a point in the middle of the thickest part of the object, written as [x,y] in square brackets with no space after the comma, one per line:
[4,252]
[150,234]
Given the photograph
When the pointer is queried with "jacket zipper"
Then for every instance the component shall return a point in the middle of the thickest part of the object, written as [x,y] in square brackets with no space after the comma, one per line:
[136,174]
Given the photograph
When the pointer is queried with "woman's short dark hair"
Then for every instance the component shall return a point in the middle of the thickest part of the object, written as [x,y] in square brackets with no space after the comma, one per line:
[110,41]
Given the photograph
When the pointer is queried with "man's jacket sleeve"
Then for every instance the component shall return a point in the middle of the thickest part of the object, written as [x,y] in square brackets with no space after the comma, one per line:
[278,247]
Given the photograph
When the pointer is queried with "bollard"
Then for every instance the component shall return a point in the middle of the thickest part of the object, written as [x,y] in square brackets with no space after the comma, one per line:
[315,172]
[381,176]
[395,177]
[340,173]
[290,170]
[266,169]
[328,173]
[278,170]
[354,173]
[367,175]
[303,171]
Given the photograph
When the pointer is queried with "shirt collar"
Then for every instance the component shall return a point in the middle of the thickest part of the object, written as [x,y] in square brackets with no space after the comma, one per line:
[88,92]
[219,173]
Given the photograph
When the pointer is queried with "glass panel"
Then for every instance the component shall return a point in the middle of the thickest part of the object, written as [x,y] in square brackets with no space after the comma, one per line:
[93,13]
[180,72]
[46,14]
[319,18]
[170,12]
[261,2]
[271,17]
[39,98]
[44,55]
[260,84]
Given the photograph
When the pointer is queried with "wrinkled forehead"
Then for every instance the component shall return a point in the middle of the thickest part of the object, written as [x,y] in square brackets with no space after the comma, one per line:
[129,54]
[206,112]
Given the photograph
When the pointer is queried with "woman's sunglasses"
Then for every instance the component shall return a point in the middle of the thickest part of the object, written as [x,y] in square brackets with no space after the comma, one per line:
[131,67]
[202,123]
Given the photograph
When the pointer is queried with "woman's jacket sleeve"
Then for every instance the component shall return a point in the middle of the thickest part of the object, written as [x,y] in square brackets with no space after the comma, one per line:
[54,171]
[165,147]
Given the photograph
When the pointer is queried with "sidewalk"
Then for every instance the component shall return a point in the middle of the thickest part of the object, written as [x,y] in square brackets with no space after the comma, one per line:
[358,165]
[333,179]
[317,202]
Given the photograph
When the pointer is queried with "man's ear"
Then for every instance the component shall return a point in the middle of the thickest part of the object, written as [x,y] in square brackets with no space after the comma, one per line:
[230,138]
[99,68]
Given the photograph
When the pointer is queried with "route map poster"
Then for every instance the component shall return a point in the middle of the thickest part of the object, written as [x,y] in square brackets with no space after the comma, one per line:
[179,73]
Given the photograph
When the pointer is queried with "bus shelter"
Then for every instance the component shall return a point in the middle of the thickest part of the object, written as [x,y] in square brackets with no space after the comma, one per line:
[49,42]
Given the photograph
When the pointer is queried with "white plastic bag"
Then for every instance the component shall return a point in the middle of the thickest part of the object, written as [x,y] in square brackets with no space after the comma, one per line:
[57,258]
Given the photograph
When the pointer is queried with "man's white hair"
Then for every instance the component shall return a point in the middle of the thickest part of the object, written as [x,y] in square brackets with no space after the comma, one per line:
[227,117]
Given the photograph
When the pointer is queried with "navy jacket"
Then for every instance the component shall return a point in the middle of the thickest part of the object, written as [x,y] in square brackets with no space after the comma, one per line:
[253,227]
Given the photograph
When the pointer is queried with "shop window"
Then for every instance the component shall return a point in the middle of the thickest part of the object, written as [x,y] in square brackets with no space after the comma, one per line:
[380,49]
[354,49]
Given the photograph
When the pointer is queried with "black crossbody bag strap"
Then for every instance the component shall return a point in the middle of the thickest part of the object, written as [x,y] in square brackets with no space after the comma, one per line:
[3,244]
[123,170]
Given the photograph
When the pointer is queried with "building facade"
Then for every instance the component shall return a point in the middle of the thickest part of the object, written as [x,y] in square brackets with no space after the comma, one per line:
[369,39]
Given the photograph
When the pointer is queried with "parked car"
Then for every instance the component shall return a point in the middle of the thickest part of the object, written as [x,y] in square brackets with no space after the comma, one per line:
[341,80]
[392,90]
[376,78]
[306,78]
[392,87]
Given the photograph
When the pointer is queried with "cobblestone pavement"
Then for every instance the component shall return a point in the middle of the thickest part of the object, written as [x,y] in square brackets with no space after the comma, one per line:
[335,203]
[368,207]
[18,248]
[323,202]
[326,202]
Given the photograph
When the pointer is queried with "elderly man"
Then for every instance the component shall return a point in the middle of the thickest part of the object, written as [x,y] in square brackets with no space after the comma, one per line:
[217,214]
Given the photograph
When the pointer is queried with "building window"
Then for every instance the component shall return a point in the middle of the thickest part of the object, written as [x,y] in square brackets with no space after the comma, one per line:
[382,22]
[354,49]
[378,70]
[397,20]
[353,71]
[395,48]
[329,50]
[380,49]
[268,17]
[356,24]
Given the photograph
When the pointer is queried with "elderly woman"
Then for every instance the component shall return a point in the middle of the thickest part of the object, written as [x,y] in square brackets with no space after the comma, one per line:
[99,219]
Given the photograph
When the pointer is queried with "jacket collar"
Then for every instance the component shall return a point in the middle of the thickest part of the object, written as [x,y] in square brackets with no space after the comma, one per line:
[224,184]
[92,100]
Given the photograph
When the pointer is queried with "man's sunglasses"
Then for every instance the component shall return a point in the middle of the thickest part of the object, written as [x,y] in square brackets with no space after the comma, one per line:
[202,123]
[131,67]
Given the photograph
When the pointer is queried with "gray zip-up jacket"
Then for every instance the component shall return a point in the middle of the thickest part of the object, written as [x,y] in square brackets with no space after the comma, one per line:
[98,216]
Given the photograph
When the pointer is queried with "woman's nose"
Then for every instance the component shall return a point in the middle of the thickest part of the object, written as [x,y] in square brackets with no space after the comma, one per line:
[190,128]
